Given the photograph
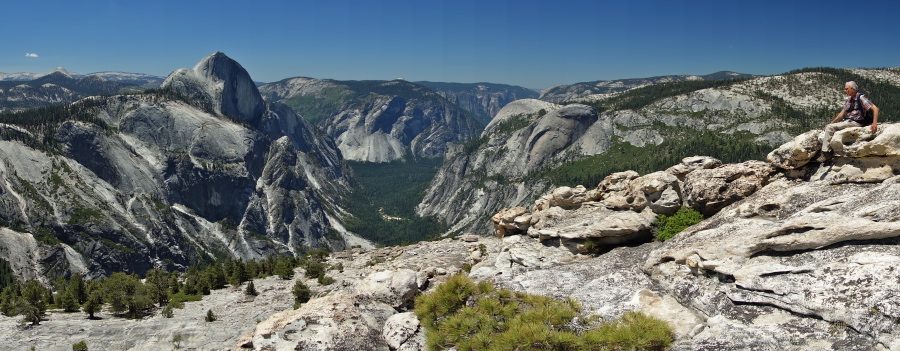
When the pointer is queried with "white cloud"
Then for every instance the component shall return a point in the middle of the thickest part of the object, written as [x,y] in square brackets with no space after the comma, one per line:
[31,54]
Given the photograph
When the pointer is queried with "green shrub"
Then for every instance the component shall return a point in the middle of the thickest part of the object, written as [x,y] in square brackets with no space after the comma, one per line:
[465,315]
[633,331]
[325,280]
[79,346]
[668,226]
[178,300]
[210,316]
[301,293]
[168,311]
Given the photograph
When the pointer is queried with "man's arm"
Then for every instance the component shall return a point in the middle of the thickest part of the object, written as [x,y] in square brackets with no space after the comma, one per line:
[874,126]
[838,118]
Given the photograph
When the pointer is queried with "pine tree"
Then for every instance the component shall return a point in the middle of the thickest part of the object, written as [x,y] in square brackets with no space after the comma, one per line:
[251,290]
[210,316]
[33,302]
[93,304]
[68,302]
[284,269]
[126,293]
[157,283]
[238,273]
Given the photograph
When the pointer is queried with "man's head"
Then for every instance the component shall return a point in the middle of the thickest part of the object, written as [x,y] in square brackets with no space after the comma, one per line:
[850,88]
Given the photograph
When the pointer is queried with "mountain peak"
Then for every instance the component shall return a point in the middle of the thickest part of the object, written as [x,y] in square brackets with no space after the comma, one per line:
[61,70]
[223,82]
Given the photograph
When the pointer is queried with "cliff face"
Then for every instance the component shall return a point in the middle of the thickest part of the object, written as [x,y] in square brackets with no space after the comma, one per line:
[156,181]
[518,141]
[377,121]
[222,83]
[482,100]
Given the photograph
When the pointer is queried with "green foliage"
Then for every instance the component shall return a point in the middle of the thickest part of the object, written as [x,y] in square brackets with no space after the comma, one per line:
[668,226]
[633,331]
[93,299]
[250,290]
[157,284]
[126,294]
[83,216]
[68,302]
[301,293]
[177,340]
[30,300]
[383,201]
[236,272]
[180,298]
[325,280]
[80,346]
[210,316]
[168,311]
[7,277]
[313,268]
[284,269]
[475,144]
[465,315]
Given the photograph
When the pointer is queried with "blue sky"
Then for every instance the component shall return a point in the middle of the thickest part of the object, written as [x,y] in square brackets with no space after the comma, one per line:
[536,44]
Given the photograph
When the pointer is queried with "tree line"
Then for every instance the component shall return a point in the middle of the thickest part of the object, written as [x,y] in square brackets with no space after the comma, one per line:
[129,296]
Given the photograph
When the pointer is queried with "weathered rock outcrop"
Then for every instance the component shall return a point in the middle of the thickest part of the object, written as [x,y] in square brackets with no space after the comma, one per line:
[710,190]
[795,257]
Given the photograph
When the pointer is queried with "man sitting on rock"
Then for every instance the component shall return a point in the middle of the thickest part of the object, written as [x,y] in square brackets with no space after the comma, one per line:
[854,114]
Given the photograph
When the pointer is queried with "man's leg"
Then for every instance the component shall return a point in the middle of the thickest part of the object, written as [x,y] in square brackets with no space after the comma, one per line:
[834,128]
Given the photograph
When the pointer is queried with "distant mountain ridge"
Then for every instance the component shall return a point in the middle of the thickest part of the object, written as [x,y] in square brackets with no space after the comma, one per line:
[562,93]
[55,88]
[482,100]
[140,79]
